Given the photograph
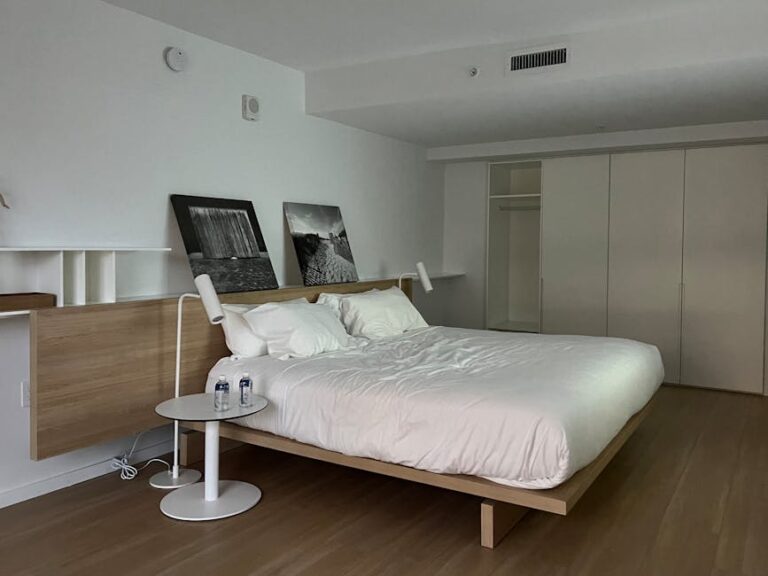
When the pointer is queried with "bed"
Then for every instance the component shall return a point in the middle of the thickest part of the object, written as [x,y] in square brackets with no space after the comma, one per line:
[522,421]
[521,410]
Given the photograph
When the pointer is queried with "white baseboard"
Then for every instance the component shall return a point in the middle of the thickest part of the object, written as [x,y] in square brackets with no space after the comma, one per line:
[40,487]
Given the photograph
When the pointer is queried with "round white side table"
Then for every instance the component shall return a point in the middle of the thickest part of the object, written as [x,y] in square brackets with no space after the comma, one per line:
[212,499]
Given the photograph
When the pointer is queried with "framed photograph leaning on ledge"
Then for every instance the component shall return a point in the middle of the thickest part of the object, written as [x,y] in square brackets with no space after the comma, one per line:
[223,239]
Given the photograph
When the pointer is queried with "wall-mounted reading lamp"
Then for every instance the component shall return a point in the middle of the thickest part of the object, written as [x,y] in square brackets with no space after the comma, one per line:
[421,274]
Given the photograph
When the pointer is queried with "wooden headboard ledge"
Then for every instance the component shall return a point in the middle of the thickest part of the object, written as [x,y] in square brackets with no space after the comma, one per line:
[98,371]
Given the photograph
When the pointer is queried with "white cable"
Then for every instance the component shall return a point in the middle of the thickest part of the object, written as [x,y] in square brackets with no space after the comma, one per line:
[127,471]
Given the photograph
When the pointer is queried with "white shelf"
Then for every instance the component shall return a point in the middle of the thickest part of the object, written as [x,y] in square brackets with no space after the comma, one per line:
[140,298]
[79,249]
[436,276]
[507,196]
[76,275]
[432,276]
[119,299]
[445,275]
[74,294]
[14,313]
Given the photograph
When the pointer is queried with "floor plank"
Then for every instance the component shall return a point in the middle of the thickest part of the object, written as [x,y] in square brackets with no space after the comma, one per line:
[687,495]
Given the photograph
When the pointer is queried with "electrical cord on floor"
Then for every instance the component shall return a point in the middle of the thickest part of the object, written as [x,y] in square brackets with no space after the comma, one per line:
[127,471]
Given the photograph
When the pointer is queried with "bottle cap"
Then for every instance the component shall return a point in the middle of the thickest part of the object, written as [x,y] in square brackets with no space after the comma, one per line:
[246,375]
[222,377]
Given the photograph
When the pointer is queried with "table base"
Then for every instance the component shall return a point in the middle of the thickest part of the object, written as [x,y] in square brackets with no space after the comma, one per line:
[189,503]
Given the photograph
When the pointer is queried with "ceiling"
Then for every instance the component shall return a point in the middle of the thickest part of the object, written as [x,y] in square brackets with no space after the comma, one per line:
[694,96]
[399,67]
[313,34]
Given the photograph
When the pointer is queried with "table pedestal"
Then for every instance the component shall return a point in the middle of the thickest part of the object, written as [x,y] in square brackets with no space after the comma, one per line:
[214,498]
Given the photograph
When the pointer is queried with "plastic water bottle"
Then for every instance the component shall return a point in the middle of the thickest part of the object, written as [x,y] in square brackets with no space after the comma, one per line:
[221,395]
[246,390]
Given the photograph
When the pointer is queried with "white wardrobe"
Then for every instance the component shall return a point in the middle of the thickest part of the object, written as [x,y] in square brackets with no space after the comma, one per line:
[666,247]
[574,245]
[645,258]
[724,255]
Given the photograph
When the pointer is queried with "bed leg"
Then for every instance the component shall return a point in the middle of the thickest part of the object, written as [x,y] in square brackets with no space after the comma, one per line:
[496,521]
[192,446]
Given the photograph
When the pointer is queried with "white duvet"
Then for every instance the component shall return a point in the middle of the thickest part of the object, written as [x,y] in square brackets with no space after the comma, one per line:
[523,410]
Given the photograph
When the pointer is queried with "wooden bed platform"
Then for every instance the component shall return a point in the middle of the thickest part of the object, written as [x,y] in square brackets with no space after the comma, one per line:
[98,371]
[502,507]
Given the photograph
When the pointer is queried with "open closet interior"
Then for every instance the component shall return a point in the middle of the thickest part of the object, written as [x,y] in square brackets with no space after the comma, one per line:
[514,228]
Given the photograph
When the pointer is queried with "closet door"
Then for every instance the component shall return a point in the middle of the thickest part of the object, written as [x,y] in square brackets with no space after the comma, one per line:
[574,245]
[646,251]
[724,268]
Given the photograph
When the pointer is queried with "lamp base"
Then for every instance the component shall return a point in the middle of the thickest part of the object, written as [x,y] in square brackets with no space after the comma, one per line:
[165,480]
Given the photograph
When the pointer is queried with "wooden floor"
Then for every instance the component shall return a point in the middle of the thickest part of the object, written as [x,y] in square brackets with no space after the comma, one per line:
[687,495]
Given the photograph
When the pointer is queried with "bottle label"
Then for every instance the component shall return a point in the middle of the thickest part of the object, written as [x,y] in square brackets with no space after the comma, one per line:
[245,392]
[221,397]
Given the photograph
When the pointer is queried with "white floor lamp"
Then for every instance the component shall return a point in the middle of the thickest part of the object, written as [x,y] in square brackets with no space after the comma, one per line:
[177,477]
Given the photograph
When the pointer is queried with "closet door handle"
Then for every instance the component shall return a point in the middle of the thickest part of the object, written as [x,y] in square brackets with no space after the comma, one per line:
[681,288]
[541,305]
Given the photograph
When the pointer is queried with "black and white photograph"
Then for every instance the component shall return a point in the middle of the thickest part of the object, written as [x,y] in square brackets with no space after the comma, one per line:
[223,239]
[321,243]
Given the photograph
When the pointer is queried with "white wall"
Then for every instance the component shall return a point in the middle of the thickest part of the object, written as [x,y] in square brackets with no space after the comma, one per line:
[96,133]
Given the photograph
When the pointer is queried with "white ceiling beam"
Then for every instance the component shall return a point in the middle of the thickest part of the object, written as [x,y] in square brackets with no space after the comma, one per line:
[705,135]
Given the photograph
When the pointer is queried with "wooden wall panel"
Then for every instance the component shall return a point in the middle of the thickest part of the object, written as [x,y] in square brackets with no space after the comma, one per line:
[97,372]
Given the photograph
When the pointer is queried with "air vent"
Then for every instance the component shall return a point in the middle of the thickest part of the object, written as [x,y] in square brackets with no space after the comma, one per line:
[540,59]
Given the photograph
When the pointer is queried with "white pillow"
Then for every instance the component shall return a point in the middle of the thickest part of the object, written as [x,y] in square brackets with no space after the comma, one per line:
[241,340]
[333,300]
[380,314]
[297,330]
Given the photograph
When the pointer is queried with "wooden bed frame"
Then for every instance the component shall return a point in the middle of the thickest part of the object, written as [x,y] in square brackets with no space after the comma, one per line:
[502,507]
[97,373]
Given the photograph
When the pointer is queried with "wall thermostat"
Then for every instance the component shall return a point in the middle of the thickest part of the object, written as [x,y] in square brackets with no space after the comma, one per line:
[250,108]
[176,59]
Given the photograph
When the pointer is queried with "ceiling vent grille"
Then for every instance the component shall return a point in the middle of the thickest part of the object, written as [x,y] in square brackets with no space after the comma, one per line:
[540,59]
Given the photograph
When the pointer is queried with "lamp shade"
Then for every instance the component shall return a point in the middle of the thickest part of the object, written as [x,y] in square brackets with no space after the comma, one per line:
[210,299]
[426,283]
